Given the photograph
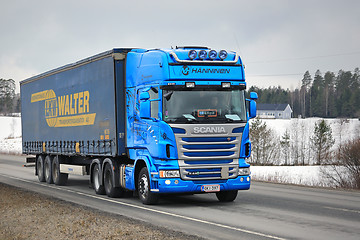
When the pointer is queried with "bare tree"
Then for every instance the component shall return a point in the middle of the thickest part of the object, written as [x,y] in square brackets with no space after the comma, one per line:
[345,170]
[264,144]
[285,146]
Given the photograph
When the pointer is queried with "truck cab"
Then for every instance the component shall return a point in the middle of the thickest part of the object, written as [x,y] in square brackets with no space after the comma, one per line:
[187,122]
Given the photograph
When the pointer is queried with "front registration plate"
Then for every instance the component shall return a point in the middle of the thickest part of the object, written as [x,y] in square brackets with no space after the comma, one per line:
[210,188]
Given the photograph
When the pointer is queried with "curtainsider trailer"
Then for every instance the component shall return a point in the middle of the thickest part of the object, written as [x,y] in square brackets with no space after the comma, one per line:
[148,121]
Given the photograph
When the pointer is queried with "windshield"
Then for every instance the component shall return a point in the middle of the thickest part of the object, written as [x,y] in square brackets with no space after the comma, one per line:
[194,106]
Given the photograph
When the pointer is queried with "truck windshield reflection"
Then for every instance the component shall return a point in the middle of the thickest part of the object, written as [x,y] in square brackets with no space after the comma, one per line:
[210,106]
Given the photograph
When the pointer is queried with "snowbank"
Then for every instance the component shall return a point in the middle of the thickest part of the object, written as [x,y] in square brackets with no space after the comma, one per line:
[300,175]
[10,127]
[10,135]
[342,129]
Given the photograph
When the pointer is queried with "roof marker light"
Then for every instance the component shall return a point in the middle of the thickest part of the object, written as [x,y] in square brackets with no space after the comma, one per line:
[202,54]
[212,54]
[223,54]
[192,54]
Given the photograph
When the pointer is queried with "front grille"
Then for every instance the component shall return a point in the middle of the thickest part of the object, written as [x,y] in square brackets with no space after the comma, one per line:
[208,156]
[196,148]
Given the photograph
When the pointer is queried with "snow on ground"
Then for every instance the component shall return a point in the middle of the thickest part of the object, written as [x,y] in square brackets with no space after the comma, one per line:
[343,130]
[299,175]
[10,135]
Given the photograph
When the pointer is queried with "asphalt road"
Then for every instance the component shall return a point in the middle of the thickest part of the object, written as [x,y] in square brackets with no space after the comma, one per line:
[266,211]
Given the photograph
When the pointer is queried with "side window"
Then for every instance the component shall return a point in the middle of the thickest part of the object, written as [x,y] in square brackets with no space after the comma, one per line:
[154,94]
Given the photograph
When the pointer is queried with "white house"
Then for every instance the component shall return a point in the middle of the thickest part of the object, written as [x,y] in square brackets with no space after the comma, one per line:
[277,111]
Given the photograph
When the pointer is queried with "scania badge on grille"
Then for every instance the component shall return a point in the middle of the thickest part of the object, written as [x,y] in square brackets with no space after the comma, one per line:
[208,129]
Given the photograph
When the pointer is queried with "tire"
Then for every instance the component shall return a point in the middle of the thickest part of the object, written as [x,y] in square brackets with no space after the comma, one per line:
[109,185]
[227,196]
[58,178]
[146,196]
[96,176]
[48,169]
[40,168]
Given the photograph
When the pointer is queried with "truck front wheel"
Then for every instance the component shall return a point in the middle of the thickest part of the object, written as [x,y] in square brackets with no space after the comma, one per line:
[40,168]
[227,196]
[109,185]
[146,196]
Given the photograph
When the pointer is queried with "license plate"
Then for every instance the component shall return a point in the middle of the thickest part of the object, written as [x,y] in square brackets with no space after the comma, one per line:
[210,188]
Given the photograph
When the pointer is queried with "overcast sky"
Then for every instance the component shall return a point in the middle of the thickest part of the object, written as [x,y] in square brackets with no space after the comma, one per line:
[278,40]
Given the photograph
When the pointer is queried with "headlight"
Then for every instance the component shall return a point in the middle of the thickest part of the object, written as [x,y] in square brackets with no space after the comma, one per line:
[223,54]
[212,54]
[202,54]
[192,54]
[169,173]
[244,171]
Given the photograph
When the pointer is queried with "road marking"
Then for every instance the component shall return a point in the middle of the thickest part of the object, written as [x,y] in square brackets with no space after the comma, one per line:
[150,209]
[343,209]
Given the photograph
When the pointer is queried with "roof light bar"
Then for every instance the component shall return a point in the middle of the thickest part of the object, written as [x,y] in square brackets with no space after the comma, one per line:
[193,54]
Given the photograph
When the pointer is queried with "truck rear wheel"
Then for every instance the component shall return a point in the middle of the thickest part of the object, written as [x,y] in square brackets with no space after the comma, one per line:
[48,169]
[40,168]
[96,176]
[58,178]
[110,189]
[227,196]
[146,196]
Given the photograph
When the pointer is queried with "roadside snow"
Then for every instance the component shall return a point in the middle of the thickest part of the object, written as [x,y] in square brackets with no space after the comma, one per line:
[299,175]
[10,135]
[343,129]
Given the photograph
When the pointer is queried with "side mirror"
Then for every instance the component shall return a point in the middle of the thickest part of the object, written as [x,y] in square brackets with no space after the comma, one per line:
[145,107]
[253,96]
[252,109]
[252,104]
[145,110]
[144,96]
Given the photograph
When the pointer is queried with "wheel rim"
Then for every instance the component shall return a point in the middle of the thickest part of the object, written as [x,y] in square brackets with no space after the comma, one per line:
[143,186]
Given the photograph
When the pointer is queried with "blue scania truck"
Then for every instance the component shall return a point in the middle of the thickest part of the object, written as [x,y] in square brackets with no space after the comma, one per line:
[154,122]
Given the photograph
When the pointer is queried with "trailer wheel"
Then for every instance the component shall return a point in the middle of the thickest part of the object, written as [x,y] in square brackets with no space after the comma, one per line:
[227,196]
[96,176]
[48,169]
[110,189]
[58,177]
[40,168]
[146,196]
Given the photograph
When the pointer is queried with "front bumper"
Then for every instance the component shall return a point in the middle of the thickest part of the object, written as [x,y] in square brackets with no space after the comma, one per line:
[177,185]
